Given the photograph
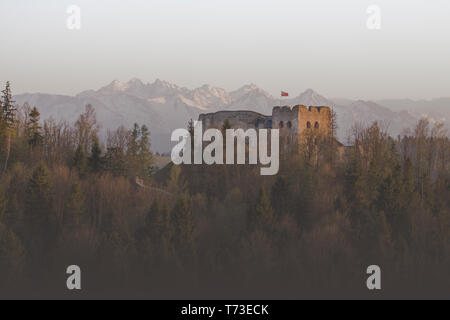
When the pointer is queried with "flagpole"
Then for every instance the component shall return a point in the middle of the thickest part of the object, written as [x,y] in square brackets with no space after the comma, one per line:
[283,94]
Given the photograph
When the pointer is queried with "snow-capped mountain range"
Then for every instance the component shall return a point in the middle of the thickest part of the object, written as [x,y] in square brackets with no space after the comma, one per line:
[164,106]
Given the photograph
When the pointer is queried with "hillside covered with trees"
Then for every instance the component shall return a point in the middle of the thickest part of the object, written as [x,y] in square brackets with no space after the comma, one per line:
[220,231]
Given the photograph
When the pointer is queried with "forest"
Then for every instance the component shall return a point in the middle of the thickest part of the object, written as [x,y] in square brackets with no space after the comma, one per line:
[68,197]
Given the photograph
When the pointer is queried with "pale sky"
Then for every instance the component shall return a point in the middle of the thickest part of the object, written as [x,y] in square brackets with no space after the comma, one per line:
[277,44]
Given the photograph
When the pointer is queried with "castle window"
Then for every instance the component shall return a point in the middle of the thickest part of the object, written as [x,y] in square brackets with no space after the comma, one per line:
[281,124]
[289,124]
[308,125]
[316,125]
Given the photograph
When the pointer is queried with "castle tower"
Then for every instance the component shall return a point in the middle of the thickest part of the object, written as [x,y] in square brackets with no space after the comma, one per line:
[295,122]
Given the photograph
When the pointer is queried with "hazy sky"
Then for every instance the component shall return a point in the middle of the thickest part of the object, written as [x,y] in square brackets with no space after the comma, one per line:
[277,44]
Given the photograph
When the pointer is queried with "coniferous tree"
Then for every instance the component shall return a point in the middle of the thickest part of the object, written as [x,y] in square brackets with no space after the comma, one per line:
[133,143]
[95,160]
[7,120]
[8,107]
[34,130]
[116,161]
[145,155]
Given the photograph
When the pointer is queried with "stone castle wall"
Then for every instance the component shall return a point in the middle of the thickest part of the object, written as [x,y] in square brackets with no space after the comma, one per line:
[292,122]
[237,119]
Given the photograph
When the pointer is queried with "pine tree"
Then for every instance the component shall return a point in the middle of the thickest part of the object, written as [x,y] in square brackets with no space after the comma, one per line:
[34,130]
[132,150]
[145,155]
[133,144]
[95,160]
[7,120]
[8,107]
[116,161]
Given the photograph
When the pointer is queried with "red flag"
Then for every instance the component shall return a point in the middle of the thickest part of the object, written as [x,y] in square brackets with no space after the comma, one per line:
[284,94]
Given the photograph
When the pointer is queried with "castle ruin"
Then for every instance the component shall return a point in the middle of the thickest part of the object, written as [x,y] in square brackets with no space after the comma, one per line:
[293,122]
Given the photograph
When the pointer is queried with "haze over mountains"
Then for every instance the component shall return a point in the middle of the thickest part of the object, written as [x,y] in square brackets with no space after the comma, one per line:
[164,106]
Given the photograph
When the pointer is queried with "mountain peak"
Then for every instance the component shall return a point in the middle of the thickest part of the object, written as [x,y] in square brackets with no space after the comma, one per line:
[114,86]
[309,91]
[250,86]
[163,83]
[115,83]
[135,82]
[311,98]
